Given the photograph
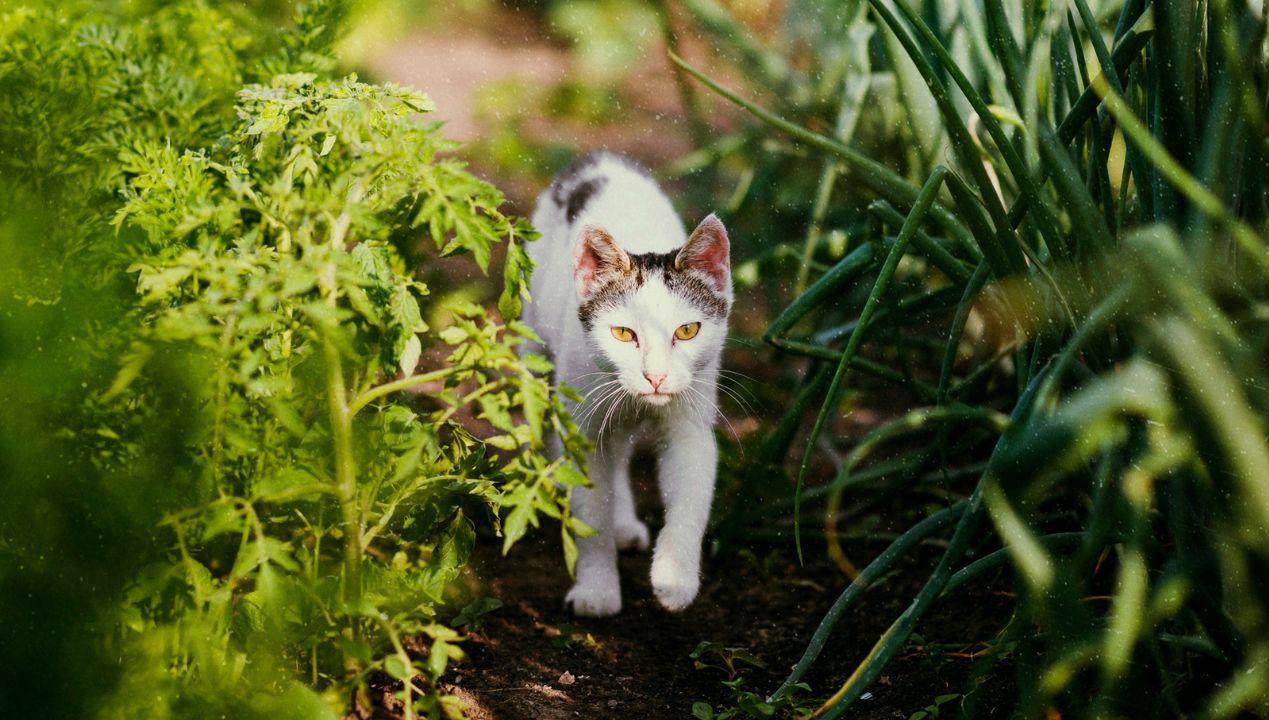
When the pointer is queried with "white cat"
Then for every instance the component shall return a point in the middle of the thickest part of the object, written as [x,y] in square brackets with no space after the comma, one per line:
[634,314]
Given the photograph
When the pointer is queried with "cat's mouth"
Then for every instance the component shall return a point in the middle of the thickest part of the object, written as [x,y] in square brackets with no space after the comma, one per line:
[656,397]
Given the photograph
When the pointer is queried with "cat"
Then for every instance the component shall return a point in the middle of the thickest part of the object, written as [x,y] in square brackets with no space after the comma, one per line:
[634,314]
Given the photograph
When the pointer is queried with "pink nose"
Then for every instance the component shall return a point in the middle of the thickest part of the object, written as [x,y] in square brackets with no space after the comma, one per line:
[655,380]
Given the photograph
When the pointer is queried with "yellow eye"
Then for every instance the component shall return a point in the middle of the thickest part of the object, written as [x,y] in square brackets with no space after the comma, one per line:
[623,334]
[688,331]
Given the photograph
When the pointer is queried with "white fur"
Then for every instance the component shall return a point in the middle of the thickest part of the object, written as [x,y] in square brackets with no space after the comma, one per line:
[620,403]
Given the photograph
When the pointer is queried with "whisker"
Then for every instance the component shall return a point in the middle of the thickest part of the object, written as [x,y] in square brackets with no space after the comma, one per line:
[611,399]
[709,404]
[611,409]
[737,375]
[745,406]
[599,387]
[739,381]
[593,405]
[595,385]
[612,373]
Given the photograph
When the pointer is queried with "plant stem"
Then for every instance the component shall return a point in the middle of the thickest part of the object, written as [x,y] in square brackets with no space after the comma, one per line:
[345,474]
[691,106]
[924,202]
[375,393]
[341,435]
[866,579]
[881,179]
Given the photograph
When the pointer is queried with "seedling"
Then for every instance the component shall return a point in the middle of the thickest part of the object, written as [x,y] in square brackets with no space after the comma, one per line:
[727,659]
[472,615]
[934,709]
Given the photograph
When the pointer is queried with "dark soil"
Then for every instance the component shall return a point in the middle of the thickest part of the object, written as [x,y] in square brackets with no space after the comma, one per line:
[531,659]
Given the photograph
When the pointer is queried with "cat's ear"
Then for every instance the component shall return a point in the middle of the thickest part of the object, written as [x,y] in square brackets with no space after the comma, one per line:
[596,257]
[708,251]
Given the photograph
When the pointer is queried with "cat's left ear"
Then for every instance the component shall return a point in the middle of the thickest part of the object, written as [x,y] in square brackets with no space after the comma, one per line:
[708,251]
[596,257]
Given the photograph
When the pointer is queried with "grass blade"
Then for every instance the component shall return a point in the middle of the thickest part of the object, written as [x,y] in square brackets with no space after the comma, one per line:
[966,531]
[867,577]
[923,203]
[877,177]
[1167,166]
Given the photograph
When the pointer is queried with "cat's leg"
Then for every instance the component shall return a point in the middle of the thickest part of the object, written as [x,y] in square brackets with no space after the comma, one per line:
[630,532]
[686,469]
[597,590]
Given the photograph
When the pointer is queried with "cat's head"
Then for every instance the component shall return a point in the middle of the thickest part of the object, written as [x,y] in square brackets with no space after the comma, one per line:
[655,319]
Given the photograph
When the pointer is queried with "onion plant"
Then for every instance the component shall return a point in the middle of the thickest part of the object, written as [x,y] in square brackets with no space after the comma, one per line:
[1089,180]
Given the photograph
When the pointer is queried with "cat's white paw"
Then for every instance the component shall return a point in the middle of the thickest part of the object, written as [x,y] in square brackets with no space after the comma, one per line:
[631,535]
[674,586]
[594,599]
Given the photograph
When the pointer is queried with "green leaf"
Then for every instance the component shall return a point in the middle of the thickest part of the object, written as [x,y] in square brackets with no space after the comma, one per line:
[279,552]
[580,528]
[438,657]
[705,646]
[473,613]
[570,550]
[357,649]
[405,311]
[327,144]
[494,408]
[220,519]
[515,281]
[517,522]
[567,474]
[284,481]
[537,363]
[453,335]
[702,711]
[534,400]
[134,361]
[745,656]
[456,546]
[410,354]
[398,668]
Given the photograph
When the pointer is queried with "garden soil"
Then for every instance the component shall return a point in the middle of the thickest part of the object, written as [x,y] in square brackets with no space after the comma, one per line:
[532,660]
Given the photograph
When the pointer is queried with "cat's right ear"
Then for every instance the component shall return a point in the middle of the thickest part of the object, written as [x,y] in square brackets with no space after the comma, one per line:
[596,257]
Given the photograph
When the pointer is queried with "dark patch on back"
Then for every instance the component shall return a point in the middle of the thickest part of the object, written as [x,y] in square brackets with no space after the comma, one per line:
[569,176]
[580,194]
[695,287]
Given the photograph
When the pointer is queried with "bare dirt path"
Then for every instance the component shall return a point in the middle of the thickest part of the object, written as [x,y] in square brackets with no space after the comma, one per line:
[532,660]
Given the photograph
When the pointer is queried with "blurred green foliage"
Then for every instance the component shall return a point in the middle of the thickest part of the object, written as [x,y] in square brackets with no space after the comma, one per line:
[219,503]
[608,36]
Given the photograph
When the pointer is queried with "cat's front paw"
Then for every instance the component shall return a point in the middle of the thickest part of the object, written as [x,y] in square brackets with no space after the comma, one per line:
[674,585]
[594,599]
[631,535]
